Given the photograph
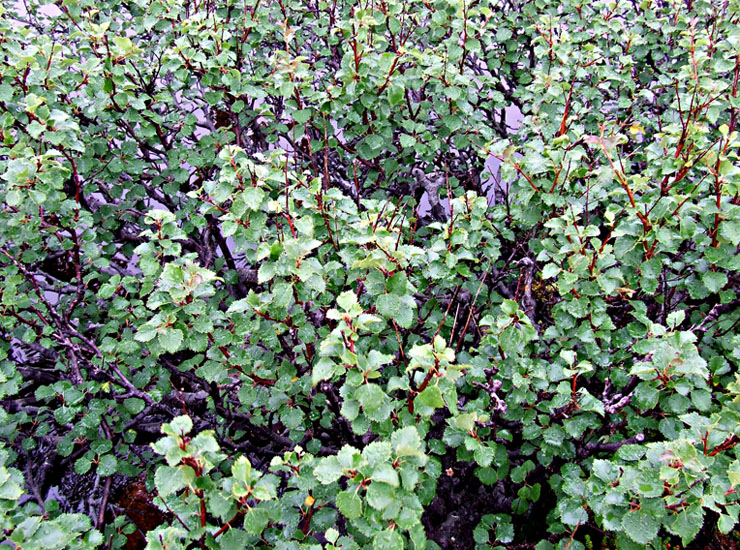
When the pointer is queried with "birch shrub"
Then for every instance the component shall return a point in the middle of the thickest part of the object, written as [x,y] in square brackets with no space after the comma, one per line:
[299,269]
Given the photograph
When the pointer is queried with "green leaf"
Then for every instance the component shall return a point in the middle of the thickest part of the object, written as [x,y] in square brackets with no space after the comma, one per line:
[370,396]
[399,308]
[484,455]
[640,526]
[725,524]
[510,307]
[377,452]
[730,230]
[10,490]
[169,480]
[388,305]
[630,452]
[6,92]
[407,141]
[234,539]
[179,425]
[328,470]
[733,473]
[171,339]
[241,469]
[239,306]
[398,284]
[374,141]
[134,405]
[714,280]
[323,370]
[346,300]
[588,402]
[550,271]
[395,94]
[572,513]
[406,442]
[386,473]
[606,471]
[107,466]
[687,523]
[380,495]
[255,520]
[675,318]
[431,397]
[302,116]
[388,540]
[83,465]
[266,272]
[331,535]
[349,504]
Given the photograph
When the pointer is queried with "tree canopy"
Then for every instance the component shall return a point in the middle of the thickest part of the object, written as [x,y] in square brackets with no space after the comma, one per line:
[384,274]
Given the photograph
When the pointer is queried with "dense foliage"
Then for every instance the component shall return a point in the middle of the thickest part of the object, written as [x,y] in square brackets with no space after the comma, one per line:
[297,269]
